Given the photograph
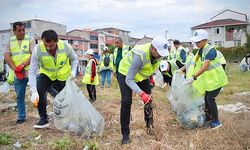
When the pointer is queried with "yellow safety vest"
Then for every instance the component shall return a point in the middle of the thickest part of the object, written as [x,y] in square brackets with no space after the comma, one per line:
[221,57]
[173,67]
[111,65]
[58,67]
[147,70]
[10,77]
[87,76]
[20,54]
[213,78]
[125,49]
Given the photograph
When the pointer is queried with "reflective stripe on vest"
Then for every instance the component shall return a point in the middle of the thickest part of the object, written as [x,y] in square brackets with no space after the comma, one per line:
[20,53]
[147,68]
[57,67]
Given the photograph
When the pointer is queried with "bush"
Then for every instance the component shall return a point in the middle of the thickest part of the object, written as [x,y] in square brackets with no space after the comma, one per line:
[234,54]
[5,139]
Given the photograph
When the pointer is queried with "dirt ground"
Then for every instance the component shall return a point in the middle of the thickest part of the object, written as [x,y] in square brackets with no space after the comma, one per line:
[169,135]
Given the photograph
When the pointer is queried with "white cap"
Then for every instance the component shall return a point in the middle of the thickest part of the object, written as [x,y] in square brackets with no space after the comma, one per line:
[164,65]
[90,52]
[105,48]
[161,45]
[199,35]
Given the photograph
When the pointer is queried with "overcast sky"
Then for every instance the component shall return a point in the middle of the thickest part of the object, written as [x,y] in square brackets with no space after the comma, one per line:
[141,17]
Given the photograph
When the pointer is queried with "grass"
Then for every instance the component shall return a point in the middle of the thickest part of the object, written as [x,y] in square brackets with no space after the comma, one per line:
[64,143]
[5,139]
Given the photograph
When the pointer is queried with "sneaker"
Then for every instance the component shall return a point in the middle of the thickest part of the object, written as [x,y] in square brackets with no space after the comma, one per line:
[125,139]
[42,123]
[215,124]
[20,121]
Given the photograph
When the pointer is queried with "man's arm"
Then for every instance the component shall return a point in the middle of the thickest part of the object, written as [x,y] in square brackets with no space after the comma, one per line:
[132,71]
[31,47]
[33,71]
[73,59]
[7,57]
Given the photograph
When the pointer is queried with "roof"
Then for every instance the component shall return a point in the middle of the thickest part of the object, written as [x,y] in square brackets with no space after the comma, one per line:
[3,31]
[112,28]
[41,21]
[228,10]
[222,22]
[66,37]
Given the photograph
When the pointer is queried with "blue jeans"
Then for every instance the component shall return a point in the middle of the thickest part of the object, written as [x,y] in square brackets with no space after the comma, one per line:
[20,88]
[104,74]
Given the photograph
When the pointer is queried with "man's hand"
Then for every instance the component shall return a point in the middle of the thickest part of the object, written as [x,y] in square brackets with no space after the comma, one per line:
[92,79]
[19,68]
[19,75]
[34,99]
[189,81]
[145,97]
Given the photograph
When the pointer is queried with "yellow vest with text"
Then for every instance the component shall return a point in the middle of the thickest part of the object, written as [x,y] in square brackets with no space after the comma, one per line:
[20,53]
[125,49]
[174,67]
[213,78]
[87,76]
[111,65]
[58,67]
[147,70]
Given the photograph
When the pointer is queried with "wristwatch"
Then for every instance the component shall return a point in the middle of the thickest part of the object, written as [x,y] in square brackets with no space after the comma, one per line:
[194,77]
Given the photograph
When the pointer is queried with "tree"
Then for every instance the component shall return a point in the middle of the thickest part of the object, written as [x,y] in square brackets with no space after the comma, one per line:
[248,41]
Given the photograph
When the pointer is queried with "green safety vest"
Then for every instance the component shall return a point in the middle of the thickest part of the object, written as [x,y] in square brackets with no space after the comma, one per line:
[147,70]
[125,49]
[213,78]
[173,67]
[111,65]
[56,68]
[87,76]
[20,54]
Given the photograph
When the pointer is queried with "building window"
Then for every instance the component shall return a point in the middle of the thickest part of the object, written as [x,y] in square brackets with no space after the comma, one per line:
[218,43]
[93,37]
[94,46]
[217,31]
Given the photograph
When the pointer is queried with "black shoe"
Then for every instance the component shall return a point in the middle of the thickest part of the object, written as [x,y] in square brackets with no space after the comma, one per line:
[42,123]
[20,121]
[125,140]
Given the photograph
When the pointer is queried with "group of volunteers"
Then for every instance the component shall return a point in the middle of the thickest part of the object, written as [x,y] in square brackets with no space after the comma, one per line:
[48,64]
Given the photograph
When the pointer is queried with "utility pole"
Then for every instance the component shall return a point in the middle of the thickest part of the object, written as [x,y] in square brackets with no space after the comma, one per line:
[166,34]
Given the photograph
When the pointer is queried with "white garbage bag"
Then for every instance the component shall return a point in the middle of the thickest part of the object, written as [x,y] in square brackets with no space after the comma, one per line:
[186,102]
[74,113]
[243,65]
[158,79]
[5,87]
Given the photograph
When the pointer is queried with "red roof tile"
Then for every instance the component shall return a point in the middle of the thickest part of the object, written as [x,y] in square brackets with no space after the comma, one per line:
[223,22]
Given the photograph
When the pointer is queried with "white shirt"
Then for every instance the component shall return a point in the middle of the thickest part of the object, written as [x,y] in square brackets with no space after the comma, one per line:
[34,66]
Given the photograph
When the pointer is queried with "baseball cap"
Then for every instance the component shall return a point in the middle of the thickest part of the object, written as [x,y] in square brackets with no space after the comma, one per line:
[161,45]
[105,48]
[90,52]
[164,65]
[199,35]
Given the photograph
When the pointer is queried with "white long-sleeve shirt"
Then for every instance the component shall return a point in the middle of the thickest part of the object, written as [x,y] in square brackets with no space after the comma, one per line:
[34,66]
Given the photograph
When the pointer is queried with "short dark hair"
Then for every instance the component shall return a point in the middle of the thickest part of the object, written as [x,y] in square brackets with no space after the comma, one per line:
[177,42]
[15,24]
[49,35]
[119,39]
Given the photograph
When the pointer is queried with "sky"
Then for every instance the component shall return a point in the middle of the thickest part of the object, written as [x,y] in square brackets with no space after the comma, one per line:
[141,17]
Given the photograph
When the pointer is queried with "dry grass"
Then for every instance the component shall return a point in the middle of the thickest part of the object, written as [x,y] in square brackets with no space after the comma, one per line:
[235,133]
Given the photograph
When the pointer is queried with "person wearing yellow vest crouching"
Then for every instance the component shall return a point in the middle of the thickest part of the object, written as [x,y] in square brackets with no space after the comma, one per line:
[17,56]
[207,76]
[91,77]
[106,67]
[134,71]
[56,61]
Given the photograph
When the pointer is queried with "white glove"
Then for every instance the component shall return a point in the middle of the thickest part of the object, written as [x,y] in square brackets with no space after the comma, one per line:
[189,81]
[73,75]
[34,99]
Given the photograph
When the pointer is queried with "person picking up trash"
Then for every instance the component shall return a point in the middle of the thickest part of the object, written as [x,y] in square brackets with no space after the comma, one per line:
[90,77]
[206,75]
[134,71]
[56,61]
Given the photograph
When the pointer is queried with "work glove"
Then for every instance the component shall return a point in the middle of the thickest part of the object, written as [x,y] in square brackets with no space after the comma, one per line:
[189,81]
[179,71]
[72,76]
[19,68]
[19,75]
[145,97]
[92,79]
[34,99]
[152,82]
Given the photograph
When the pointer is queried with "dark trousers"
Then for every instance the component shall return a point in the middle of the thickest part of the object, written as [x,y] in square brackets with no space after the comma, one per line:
[126,101]
[92,92]
[210,104]
[43,85]
[167,79]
